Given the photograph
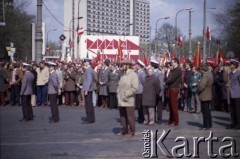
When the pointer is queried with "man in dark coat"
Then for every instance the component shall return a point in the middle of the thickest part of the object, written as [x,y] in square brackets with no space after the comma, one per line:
[88,87]
[151,90]
[114,77]
[173,82]
[187,89]
[26,91]
[53,89]
[3,81]
[139,68]
[70,86]
[103,81]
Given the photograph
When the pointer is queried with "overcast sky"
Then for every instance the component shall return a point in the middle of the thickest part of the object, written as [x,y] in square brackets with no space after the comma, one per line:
[158,9]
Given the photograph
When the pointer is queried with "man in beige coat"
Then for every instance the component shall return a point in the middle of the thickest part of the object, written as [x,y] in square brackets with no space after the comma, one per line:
[127,87]
[204,91]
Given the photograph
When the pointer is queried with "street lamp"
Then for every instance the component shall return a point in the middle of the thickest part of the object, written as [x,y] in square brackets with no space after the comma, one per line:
[48,33]
[156,32]
[125,35]
[70,30]
[176,35]
[190,33]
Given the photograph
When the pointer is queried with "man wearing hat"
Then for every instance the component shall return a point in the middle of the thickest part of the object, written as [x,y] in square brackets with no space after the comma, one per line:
[26,91]
[234,95]
[103,81]
[139,68]
[127,87]
[160,77]
[53,89]
[88,87]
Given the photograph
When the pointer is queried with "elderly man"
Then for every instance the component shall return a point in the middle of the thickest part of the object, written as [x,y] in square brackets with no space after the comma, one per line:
[234,95]
[88,87]
[26,91]
[127,87]
[53,89]
[204,90]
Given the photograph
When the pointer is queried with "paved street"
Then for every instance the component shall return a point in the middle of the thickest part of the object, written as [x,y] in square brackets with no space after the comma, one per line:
[69,139]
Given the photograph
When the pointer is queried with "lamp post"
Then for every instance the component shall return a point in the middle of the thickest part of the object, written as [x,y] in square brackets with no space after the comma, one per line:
[176,34]
[204,31]
[48,33]
[156,32]
[78,35]
[190,33]
[70,30]
[125,34]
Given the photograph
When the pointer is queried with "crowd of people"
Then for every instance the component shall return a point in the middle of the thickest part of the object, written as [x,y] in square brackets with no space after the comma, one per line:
[125,86]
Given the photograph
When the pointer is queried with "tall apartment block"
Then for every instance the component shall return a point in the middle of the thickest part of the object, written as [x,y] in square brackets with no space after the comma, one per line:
[108,17]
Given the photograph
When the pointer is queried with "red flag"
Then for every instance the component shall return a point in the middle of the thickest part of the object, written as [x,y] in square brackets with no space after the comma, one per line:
[164,60]
[208,33]
[80,31]
[180,41]
[219,57]
[173,55]
[197,59]
[98,56]
[71,44]
[120,53]
[144,59]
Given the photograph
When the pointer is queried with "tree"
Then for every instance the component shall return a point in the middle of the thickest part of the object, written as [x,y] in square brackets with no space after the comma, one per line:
[166,36]
[229,27]
[18,29]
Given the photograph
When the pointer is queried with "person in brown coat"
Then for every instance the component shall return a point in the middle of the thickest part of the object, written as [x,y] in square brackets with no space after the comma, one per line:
[127,87]
[70,86]
[204,91]
[151,89]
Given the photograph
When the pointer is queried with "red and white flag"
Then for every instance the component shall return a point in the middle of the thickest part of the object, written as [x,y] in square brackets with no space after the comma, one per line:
[180,41]
[208,33]
[80,31]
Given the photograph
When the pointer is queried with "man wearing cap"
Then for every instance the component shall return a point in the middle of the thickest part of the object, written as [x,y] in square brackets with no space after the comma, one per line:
[53,89]
[139,68]
[234,95]
[173,83]
[103,81]
[26,91]
[160,77]
[126,90]
[88,87]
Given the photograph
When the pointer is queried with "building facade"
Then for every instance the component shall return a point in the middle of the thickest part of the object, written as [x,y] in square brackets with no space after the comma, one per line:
[106,17]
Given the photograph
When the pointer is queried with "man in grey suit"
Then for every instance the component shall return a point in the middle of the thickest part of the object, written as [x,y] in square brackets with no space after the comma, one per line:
[53,89]
[160,77]
[26,91]
[139,68]
[234,95]
[88,82]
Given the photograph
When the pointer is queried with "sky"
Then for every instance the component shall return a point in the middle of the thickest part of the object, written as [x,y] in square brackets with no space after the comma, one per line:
[158,9]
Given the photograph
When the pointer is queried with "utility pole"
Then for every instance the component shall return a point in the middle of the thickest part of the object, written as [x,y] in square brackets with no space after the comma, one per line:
[39,38]
[190,33]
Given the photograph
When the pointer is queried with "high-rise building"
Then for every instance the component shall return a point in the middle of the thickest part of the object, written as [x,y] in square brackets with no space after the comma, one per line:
[107,17]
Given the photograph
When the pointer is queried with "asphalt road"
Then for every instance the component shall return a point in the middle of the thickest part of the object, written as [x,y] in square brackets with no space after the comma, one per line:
[70,139]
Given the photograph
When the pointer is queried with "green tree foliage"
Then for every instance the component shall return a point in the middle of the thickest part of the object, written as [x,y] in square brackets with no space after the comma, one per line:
[229,27]
[18,29]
